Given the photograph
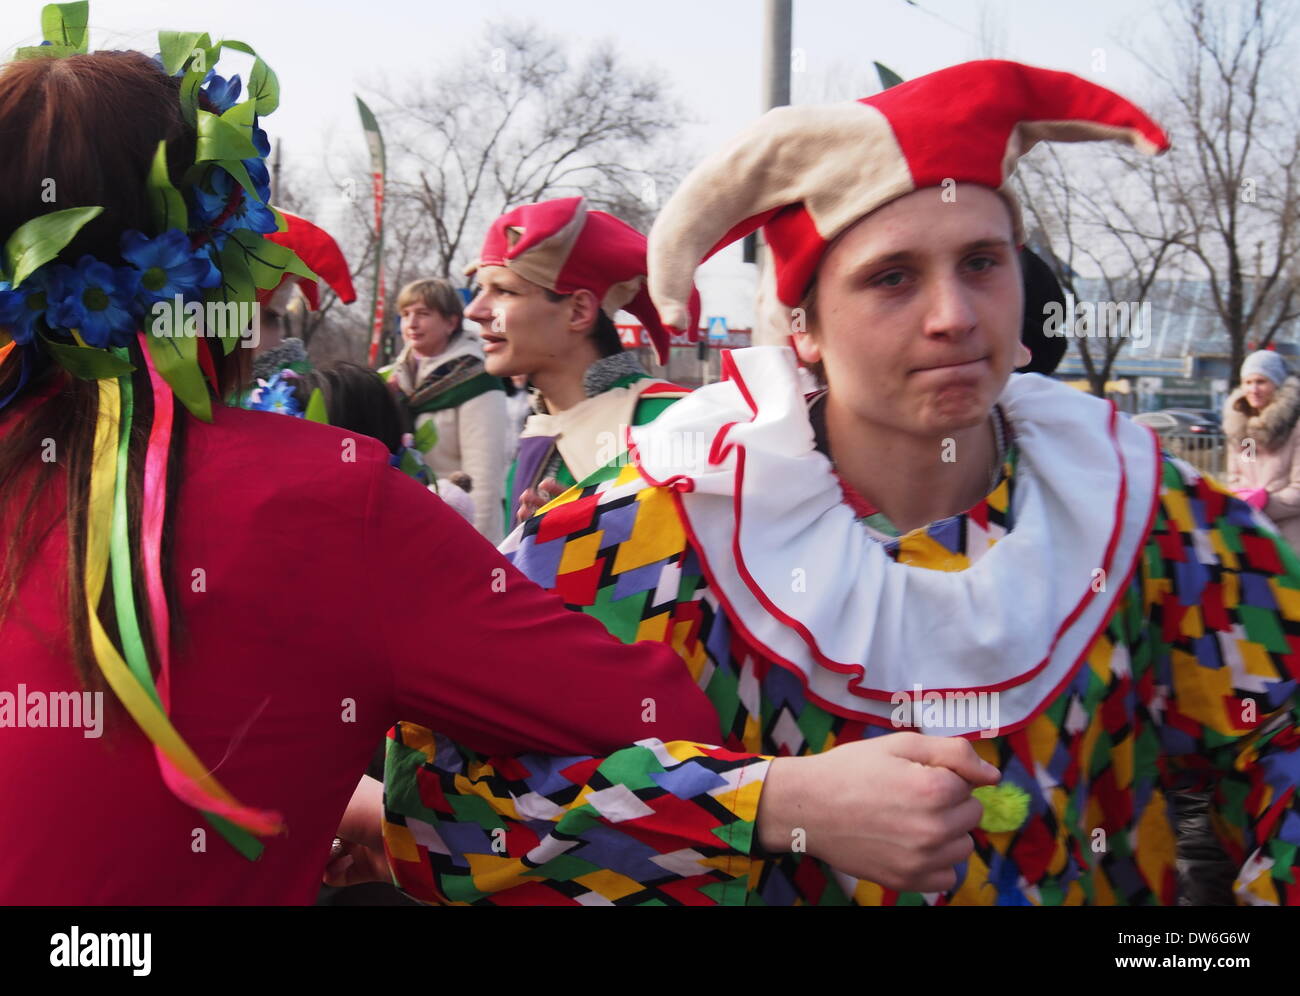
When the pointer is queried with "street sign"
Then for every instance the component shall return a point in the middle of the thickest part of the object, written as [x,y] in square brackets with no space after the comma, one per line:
[717,327]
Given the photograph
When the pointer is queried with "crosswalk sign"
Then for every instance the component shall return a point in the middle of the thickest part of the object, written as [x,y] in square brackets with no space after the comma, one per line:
[717,327]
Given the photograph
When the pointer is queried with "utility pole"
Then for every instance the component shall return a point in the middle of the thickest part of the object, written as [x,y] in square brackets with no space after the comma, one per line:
[776,53]
[778,18]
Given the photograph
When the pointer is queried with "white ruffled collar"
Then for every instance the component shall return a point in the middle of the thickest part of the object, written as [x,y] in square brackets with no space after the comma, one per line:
[801,579]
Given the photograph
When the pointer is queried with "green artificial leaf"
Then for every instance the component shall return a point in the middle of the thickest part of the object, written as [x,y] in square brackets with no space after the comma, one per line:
[164,199]
[67,24]
[236,280]
[236,287]
[426,436]
[316,408]
[176,47]
[237,169]
[191,86]
[264,87]
[177,359]
[242,115]
[227,320]
[219,139]
[87,362]
[34,243]
[44,52]
[410,464]
[267,261]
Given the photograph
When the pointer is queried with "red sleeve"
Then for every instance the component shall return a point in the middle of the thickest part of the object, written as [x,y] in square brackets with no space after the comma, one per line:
[483,655]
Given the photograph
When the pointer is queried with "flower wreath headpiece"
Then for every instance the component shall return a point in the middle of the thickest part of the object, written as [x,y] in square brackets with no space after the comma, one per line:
[208,245]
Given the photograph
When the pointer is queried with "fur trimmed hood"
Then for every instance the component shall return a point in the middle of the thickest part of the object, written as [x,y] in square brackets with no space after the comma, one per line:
[1272,426]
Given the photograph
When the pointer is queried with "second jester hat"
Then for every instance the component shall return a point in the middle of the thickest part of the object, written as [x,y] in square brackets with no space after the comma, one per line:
[565,247]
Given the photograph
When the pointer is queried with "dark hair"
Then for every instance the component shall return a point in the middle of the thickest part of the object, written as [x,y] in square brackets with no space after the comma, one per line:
[85,129]
[604,334]
[81,131]
[356,399]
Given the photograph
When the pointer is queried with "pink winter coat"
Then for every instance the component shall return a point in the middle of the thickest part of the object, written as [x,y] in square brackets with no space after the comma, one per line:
[1264,452]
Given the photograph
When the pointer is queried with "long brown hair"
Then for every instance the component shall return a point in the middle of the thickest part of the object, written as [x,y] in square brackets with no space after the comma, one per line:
[78,131]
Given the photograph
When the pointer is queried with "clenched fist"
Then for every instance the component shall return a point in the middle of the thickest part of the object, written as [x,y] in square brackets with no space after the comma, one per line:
[896,810]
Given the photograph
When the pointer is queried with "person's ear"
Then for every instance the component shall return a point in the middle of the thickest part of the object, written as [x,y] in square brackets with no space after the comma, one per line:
[583,308]
[806,347]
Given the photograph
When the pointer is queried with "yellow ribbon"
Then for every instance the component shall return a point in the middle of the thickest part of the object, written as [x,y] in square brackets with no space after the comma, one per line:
[143,709]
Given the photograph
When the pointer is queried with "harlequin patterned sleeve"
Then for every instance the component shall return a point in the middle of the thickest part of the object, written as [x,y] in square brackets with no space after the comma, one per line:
[652,824]
[1222,594]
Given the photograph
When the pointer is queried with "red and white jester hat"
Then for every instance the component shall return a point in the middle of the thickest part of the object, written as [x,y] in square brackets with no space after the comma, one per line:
[806,174]
[565,247]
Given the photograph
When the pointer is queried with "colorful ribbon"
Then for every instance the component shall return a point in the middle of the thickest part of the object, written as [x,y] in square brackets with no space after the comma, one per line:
[106,535]
[25,357]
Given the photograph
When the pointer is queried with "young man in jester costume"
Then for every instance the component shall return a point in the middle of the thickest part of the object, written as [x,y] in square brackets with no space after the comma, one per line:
[551,276]
[932,545]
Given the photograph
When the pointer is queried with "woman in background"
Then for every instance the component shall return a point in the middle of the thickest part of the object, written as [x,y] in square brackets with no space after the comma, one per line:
[441,376]
[1262,422]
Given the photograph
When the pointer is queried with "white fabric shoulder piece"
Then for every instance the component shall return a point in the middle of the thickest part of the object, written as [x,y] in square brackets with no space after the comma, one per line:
[761,503]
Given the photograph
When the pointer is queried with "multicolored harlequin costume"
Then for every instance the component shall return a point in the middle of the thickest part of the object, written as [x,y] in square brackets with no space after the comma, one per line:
[1180,672]
[1107,627]
[575,443]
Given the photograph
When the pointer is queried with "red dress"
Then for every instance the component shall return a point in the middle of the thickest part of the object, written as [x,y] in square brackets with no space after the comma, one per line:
[322,599]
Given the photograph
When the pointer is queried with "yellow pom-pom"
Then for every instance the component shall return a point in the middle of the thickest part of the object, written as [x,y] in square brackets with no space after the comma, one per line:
[1006,807]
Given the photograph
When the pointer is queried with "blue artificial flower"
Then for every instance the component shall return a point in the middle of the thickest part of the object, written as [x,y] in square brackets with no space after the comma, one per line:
[22,310]
[167,265]
[260,142]
[274,395]
[96,300]
[222,93]
[261,177]
[250,213]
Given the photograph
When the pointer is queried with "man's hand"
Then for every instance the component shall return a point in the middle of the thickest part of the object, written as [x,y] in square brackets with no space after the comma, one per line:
[534,498]
[355,864]
[357,854]
[896,810]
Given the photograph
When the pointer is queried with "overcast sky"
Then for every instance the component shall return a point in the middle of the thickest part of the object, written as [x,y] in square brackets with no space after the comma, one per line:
[324,51]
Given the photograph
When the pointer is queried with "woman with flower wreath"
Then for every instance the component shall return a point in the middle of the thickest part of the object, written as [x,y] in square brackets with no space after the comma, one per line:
[184,632]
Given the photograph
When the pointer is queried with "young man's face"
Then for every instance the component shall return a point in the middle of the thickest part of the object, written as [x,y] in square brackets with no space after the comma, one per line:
[427,329]
[918,312]
[523,331]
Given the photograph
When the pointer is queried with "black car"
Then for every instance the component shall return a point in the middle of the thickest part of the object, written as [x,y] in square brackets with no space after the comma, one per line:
[1202,421]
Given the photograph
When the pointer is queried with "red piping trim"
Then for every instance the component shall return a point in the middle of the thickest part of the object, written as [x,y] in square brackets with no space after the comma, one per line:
[681,483]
